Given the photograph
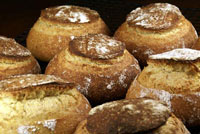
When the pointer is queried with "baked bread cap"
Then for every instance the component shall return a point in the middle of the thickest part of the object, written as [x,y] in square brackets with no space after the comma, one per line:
[70,14]
[172,77]
[15,59]
[97,47]
[98,64]
[156,28]
[132,116]
[155,16]
[58,25]
[40,104]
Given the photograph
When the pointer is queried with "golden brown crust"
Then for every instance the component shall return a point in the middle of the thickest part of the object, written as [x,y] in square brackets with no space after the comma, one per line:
[157,16]
[69,14]
[49,106]
[97,46]
[98,80]
[172,78]
[10,48]
[184,105]
[172,125]
[127,116]
[14,83]
[142,42]
[48,37]
[15,59]
[197,45]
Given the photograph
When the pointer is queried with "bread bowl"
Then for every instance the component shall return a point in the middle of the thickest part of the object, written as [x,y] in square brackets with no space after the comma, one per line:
[172,77]
[41,104]
[100,66]
[56,26]
[16,59]
[156,28]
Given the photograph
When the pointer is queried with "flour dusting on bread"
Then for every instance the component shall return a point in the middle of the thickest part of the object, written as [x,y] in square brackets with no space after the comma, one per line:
[26,129]
[71,14]
[155,16]
[182,54]
[23,81]
[97,46]
[9,47]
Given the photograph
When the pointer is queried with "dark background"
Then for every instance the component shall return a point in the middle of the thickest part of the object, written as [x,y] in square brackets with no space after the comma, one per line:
[17,16]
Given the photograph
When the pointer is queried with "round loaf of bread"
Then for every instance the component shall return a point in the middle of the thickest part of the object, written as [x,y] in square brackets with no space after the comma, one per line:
[172,77]
[56,26]
[40,104]
[134,116]
[98,64]
[154,29]
[16,59]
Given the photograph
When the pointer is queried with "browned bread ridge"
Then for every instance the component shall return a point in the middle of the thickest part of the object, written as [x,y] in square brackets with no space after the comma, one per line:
[98,64]
[154,29]
[15,59]
[56,26]
[172,77]
[40,104]
[134,116]
[197,45]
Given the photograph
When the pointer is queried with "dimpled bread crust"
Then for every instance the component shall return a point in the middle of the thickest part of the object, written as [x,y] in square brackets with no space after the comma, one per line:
[58,25]
[15,59]
[154,29]
[143,116]
[172,77]
[40,104]
[98,64]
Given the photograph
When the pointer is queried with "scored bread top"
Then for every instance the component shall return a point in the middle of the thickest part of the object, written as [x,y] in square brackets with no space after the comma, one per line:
[18,82]
[9,47]
[97,46]
[155,16]
[70,14]
[181,54]
[127,116]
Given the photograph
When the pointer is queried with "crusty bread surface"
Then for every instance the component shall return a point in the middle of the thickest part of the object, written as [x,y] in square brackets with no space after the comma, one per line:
[39,104]
[172,77]
[15,59]
[154,29]
[99,65]
[144,116]
[56,26]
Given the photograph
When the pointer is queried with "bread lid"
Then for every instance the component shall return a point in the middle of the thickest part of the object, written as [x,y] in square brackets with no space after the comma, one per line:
[18,82]
[70,14]
[10,48]
[127,116]
[97,46]
[155,16]
[180,54]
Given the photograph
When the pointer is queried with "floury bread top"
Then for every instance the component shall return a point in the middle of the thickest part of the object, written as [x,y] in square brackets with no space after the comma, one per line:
[9,47]
[181,54]
[155,16]
[70,14]
[97,46]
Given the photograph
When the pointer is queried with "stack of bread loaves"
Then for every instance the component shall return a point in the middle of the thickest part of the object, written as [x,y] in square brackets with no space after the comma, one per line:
[75,40]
